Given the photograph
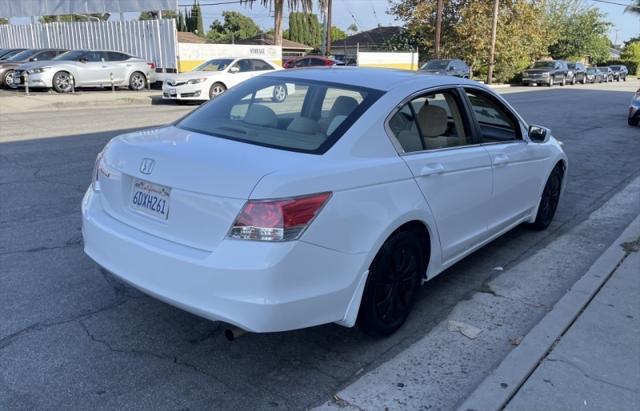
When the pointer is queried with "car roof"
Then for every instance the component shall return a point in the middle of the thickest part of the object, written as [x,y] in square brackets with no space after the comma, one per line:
[369,77]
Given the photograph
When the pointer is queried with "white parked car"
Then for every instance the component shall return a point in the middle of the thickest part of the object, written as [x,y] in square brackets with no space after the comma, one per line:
[87,68]
[332,206]
[214,77]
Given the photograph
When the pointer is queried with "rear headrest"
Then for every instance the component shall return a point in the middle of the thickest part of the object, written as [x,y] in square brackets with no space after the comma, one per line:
[260,115]
[432,120]
[304,125]
[343,106]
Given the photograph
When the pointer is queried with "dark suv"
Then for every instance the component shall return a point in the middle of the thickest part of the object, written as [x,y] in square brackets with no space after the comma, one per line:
[620,72]
[579,72]
[607,73]
[452,67]
[549,72]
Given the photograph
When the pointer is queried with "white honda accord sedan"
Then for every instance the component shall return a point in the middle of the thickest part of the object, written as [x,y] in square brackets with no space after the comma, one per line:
[333,205]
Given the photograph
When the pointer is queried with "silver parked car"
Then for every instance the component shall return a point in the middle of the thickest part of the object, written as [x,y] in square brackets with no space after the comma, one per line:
[87,68]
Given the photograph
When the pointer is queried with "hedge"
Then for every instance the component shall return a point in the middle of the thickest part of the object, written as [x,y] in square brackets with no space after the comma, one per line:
[631,65]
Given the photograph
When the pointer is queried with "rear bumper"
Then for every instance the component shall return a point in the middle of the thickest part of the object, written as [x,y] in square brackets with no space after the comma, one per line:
[257,286]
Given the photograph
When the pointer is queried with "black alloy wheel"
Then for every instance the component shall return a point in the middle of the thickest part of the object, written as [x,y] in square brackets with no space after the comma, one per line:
[549,200]
[394,279]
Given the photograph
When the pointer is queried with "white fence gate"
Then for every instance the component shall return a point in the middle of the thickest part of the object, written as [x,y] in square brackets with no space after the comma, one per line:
[152,40]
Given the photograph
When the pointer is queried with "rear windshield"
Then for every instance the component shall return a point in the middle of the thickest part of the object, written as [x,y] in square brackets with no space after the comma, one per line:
[288,114]
[615,68]
[543,64]
[436,65]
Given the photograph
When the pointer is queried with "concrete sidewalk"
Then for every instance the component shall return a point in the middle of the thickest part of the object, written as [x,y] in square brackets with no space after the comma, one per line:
[585,353]
[596,363]
[19,102]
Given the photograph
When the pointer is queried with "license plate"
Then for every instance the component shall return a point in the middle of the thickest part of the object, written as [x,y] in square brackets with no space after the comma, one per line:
[150,199]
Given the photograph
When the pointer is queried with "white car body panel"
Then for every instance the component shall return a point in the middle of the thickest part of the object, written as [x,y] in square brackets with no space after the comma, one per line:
[189,261]
[176,88]
[88,74]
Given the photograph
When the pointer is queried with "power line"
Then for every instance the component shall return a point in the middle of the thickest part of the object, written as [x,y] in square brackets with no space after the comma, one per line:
[615,3]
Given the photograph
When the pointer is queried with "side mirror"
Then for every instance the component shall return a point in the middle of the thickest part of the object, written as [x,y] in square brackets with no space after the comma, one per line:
[234,69]
[539,134]
[82,59]
[33,59]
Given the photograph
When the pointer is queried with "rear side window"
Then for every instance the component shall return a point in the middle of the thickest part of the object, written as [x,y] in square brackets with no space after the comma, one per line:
[496,123]
[289,114]
[430,122]
[260,65]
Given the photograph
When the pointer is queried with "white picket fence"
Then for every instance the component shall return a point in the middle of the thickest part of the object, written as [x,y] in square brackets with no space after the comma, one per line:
[152,40]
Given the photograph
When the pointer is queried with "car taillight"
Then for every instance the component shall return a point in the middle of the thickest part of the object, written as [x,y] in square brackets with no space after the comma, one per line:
[277,220]
[329,63]
[95,183]
[152,66]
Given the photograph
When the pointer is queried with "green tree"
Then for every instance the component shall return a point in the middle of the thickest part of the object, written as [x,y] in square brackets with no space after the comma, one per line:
[196,16]
[633,8]
[4,21]
[152,15]
[337,33]
[278,9]
[631,52]
[305,28]
[235,26]
[579,32]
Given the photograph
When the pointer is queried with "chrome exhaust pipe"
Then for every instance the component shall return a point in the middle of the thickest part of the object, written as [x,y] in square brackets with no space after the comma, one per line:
[233,333]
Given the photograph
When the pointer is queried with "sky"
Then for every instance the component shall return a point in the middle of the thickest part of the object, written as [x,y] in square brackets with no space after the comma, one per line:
[367,14]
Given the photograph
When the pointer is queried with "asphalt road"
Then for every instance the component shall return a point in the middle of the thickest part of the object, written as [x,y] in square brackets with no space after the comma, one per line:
[73,338]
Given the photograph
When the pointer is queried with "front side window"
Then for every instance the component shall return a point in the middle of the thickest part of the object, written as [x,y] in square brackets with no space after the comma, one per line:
[244,66]
[496,122]
[74,55]
[311,118]
[430,122]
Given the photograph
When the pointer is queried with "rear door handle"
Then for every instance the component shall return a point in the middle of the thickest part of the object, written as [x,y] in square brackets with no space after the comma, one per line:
[500,159]
[432,169]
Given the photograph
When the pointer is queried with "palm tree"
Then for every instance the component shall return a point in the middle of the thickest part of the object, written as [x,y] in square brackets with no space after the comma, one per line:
[278,8]
[634,8]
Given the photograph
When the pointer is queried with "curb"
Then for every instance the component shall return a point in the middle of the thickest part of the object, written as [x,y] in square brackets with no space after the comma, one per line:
[496,390]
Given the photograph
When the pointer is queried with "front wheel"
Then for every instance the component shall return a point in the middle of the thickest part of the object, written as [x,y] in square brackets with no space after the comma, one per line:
[549,200]
[564,81]
[137,81]
[62,82]
[216,89]
[573,81]
[279,93]
[394,278]
[550,83]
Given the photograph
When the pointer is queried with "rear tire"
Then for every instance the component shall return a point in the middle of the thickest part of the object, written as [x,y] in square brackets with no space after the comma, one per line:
[549,199]
[137,81]
[394,278]
[551,82]
[7,79]
[564,81]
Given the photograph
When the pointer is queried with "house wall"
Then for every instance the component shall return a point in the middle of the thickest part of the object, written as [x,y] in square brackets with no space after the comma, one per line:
[406,61]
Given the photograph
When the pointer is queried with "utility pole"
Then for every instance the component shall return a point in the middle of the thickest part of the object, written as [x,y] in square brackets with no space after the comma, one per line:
[492,55]
[440,7]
